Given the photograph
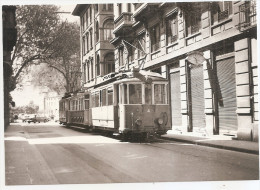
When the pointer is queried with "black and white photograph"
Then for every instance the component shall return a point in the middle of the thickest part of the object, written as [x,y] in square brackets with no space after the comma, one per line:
[129,95]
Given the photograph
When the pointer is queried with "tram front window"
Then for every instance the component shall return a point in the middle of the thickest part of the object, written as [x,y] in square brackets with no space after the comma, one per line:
[135,94]
[148,94]
[159,94]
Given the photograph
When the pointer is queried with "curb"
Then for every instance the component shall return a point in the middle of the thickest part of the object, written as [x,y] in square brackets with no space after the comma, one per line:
[226,147]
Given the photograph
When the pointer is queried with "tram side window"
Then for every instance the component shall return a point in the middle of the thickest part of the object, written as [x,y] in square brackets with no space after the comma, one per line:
[148,94]
[110,97]
[93,100]
[104,97]
[86,102]
[159,94]
[135,94]
[123,94]
[97,99]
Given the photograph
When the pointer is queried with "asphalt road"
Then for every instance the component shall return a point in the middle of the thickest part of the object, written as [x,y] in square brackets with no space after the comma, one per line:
[51,154]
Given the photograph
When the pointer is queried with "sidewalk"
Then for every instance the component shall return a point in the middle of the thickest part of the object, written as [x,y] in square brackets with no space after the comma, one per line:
[218,141]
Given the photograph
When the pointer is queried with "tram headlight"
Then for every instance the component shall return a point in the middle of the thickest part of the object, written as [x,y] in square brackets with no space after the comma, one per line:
[138,122]
[160,121]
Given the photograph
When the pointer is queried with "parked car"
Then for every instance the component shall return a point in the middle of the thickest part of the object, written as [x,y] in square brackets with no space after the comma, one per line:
[38,120]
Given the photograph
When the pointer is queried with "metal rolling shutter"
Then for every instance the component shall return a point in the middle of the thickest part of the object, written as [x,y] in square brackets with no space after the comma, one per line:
[227,82]
[197,96]
[176,99]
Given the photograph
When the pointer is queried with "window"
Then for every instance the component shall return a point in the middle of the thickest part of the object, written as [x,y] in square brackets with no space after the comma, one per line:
[131,52]
[86,102]
[96,7]
[104,7]
[110,96]
[98,66]
[90,14]
[87,43]
[108,30]
[159,94]
[97,32]
[148,94]
[221,11]
[83,45]
[82,24]
[103,97]
[110,7]
[90,39]
[92,68]
[86,19]
[119,8]
[121,56]
[88,72]
[172,29]
[141,45]
[109,65]
[193,20]
[84,73]
[97,99]
[155,37]
[135,94]
[129,7]
[123,94]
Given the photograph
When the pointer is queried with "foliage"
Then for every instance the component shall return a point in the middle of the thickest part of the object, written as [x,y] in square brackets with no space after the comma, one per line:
[42,37]
[31,108]
[46,77]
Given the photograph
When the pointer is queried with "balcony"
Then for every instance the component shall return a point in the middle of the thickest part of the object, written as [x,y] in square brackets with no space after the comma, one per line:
[247,15]
[123,23]
[145,10]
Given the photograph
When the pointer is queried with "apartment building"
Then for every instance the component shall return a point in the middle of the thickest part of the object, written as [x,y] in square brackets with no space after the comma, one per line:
[207,50]
[97,53]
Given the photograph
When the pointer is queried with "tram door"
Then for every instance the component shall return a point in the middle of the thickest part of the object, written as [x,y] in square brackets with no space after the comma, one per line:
[116,107]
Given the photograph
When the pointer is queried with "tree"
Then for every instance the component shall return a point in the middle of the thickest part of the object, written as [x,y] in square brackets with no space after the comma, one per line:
[46,77]
[38,29]
[44,38]
[66,60]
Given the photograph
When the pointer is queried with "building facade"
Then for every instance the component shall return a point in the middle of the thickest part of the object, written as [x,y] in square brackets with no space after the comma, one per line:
[207,51]
[51,105]
[97,53]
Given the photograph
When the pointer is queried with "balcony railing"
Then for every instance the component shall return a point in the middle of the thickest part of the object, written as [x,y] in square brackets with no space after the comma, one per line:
[247,15]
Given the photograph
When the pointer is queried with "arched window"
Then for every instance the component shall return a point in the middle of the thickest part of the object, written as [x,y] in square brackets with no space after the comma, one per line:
[109,65]
[97,32]
[98,66]
[108,30]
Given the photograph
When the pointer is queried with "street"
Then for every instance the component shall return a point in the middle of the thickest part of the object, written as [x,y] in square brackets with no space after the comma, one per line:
[53,154]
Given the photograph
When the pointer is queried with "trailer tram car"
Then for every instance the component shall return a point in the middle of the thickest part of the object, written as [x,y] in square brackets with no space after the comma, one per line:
[130,104]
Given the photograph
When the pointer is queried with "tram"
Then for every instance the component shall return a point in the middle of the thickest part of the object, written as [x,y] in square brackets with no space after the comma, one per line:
[126,103]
